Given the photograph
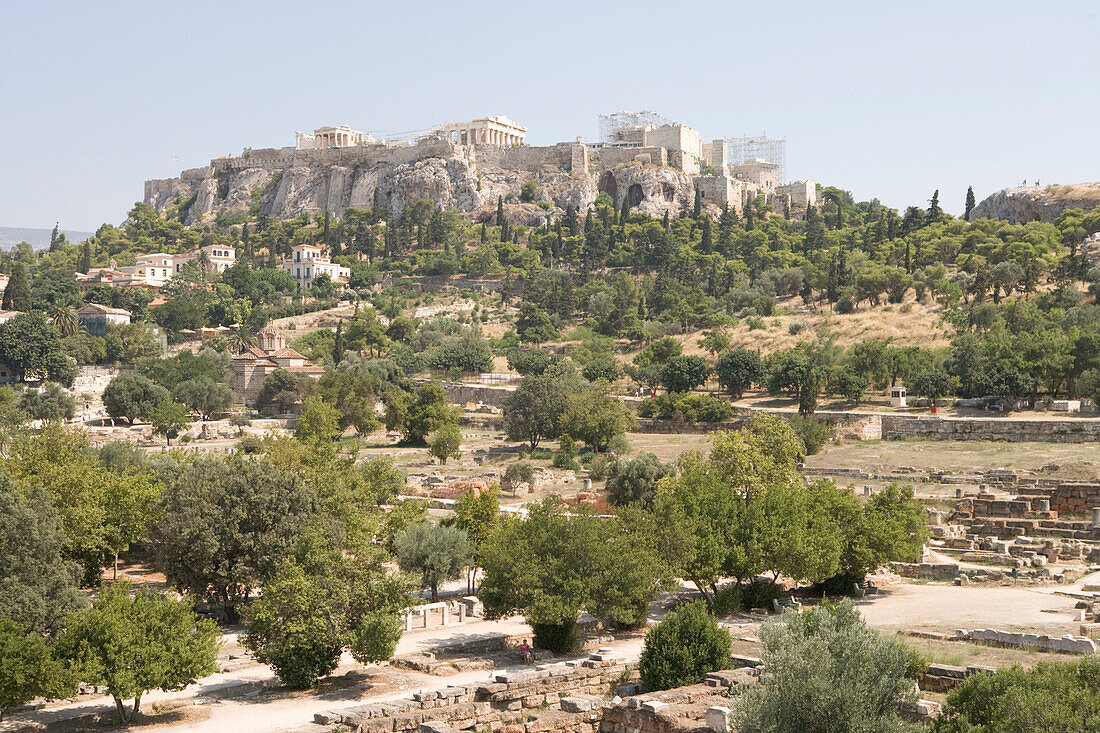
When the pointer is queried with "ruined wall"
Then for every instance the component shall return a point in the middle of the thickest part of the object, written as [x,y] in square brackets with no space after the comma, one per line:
[533,701]
[928,427]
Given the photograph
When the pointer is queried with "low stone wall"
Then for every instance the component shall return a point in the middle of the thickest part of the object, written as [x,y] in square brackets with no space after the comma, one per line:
[511,699]
[927,427]
[1067,644]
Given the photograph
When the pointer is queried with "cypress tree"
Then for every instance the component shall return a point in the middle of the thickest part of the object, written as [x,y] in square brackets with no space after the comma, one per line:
[54,238]
[934,210]
[484,234]
[17,295]
[624,212]
[501,221]
[707,242]
[750,215]
[664,222]
[376,205]
[970,203]
[339,346]
[697,207]
[86,256]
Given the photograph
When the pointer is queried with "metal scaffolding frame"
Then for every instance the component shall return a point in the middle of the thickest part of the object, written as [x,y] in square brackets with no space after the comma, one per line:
[609,122]
[772,150]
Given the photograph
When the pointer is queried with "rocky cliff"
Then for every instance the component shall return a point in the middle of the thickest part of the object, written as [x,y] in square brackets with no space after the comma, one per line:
[1033,203]
[286,183]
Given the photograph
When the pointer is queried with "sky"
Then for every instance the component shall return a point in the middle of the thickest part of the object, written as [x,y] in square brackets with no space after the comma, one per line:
[889,100]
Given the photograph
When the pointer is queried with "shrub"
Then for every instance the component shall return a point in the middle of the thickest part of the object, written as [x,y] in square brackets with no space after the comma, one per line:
[686,407]
[759,594]
[619,445]
[755,323]
[844,305]
[603,466]
[636,480]
[814,434]
[683,648]
[796,327]
[728,600]
[558,638]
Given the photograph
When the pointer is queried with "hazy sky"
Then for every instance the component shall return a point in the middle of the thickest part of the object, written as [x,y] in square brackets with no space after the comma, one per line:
[886,99]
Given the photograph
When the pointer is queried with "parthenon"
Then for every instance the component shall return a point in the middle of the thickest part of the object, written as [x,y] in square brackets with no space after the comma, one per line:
[498,130]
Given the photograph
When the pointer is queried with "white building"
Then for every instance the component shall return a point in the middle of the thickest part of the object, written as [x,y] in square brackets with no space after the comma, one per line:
[153,270]
[220,256]
[307,261]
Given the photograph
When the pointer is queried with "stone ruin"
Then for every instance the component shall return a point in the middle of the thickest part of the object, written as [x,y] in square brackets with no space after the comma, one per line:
[596,695]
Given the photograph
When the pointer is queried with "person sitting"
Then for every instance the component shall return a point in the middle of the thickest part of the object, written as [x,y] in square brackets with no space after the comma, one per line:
[525,653]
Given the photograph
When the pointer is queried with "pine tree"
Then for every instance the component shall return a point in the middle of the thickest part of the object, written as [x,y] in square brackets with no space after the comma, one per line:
[697,207]
[54,238]
[970,203]
[17,295]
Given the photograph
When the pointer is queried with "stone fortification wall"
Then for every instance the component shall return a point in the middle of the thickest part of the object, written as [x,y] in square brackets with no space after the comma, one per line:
[611,157]
[278,158]
[522,157]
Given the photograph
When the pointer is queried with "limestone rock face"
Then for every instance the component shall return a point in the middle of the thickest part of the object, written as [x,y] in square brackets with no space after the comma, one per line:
[1032,203]
[451,180]
[650,188]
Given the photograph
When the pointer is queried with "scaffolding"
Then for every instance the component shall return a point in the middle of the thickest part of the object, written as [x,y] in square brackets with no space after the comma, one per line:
[742,149]
[610,122]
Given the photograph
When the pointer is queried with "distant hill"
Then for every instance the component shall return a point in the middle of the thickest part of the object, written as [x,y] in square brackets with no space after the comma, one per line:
[37,238]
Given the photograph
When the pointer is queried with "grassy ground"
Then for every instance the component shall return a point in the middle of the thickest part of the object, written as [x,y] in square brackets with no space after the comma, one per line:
[1073,461]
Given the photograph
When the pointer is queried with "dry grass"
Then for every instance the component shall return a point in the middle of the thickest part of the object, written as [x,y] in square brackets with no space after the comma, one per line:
[1074,461]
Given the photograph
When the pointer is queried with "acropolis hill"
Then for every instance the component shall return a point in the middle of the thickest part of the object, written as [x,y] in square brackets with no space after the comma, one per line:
[656,166]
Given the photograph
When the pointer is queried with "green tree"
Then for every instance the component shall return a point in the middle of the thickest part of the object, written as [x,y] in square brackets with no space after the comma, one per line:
[39,585]
[168,418]
[65,320]
[51,402]
[520,472]
[227,525]
[478,516]
[204,396]
[130,510]
[17,295]
[533,325]
[437,552]
[319,421]
[827,659]
[594,416]
[533,411]
[30,346]
[132,397]
[715,341]
[133,644]
[635,481]
[970,203]
[684,373]
[683,648]
[28,667]
[446,443]
[281,391]
[553,565]
[739,369]
[421,414]
[933,385]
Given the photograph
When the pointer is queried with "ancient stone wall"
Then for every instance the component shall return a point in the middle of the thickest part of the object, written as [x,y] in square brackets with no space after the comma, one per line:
[531,700]
[927,427]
